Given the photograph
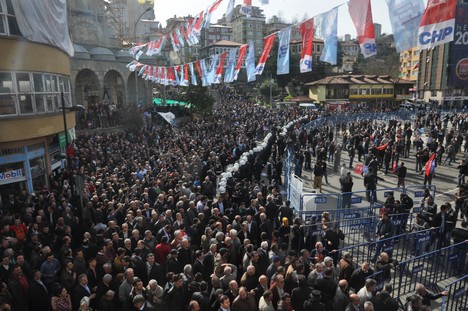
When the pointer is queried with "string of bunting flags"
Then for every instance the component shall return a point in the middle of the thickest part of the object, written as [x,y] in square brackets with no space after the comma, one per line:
[412,24]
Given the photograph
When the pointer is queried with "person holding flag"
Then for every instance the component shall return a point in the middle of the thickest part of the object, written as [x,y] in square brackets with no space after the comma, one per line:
[429,170]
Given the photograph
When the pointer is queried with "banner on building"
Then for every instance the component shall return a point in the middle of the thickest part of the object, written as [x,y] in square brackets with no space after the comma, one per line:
[326,28]
[267,45]
[361,14]
[405,17]
[283,51]
[307,34]
[230,10]
[459,59]
[437,24]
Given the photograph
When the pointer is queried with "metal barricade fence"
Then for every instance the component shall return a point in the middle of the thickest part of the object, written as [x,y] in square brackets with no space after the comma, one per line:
[457,298]
[399,247]
[356,199]
[320,202]
[416,193]
[427,269]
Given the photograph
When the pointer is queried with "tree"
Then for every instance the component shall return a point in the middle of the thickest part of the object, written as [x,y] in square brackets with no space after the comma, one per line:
[265,89]
[200,99]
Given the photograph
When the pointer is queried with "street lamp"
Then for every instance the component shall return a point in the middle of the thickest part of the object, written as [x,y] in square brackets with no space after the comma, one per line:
[65,129]
[134,40]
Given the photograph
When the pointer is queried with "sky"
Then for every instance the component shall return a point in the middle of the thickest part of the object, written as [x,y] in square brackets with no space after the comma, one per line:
[287,9]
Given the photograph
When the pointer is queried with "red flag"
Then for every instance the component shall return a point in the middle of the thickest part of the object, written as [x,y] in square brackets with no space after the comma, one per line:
[240,59]
[198,24]
[220,68]
[361,14]
[382,147]
[307,33]
[71,148]
[267,45]
[430,165]
[200,72]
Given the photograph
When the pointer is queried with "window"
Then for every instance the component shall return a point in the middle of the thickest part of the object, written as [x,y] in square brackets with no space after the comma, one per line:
[8,24]
[29,93]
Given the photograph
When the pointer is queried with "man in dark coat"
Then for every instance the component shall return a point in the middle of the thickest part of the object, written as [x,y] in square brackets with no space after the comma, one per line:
[327,286]
[40,299]
[300,294]
[19,289]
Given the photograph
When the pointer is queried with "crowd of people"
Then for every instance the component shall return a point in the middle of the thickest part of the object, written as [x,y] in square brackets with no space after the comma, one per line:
[151,229]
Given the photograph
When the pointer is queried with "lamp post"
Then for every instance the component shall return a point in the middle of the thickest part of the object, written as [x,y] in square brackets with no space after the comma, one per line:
[134,40]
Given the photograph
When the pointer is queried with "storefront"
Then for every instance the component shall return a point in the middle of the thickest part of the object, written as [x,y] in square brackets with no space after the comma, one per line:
[22,168]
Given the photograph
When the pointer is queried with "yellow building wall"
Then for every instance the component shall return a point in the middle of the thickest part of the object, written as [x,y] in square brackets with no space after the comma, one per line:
[34,127]
[318,93]
[21,55]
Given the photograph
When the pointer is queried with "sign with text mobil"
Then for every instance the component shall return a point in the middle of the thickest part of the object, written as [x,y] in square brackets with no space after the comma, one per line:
[11,174]
[437,24]
[459,48]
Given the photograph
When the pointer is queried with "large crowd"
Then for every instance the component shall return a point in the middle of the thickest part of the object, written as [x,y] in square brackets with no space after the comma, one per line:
[152,230]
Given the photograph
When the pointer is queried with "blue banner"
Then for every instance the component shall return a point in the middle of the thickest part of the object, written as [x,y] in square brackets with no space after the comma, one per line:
[459,60]
[405,17]
[283,51]
[250,63]
[326,28]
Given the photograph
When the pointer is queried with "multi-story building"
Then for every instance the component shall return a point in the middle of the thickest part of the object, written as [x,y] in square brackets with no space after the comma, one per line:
[373,91]
[350,52]
[215,33]
[247,29]
[34,87]
[218,48]
[409,64]
[437,66]
[317,48]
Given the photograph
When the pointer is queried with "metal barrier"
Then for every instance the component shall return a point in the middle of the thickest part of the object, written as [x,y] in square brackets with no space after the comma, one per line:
[457,298]
[357,199]
[417,193]
[399,247]
[320,202]
[426,269]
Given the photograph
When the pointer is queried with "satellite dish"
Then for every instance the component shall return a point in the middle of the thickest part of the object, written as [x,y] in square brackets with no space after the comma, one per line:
[174,57]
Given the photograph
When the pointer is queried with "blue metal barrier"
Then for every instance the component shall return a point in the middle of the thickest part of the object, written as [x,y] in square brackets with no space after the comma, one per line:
[457,298]
[427,269]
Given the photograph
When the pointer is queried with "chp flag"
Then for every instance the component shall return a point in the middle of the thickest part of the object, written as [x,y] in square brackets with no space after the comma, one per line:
[283,51]
[437,24]
[361,14]
[307,34]
[267,45]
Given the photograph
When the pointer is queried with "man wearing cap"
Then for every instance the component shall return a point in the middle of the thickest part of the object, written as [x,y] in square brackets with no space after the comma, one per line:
[173,264]
[314,304]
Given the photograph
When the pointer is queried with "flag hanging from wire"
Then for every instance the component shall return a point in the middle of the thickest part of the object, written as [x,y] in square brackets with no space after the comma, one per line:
[267,45]
[326,29]
[437,24]
[240,60]
[361,14]
[282,66]
[307,34]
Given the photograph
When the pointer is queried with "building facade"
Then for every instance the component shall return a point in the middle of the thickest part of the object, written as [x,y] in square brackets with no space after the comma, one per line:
[369,90]
[34,86]
[409,64]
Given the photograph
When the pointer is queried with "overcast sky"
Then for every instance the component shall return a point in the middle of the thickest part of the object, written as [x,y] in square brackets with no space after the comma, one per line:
[288,9]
